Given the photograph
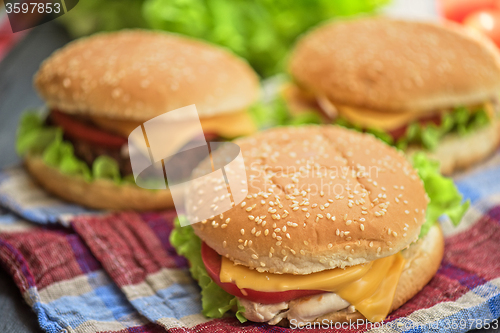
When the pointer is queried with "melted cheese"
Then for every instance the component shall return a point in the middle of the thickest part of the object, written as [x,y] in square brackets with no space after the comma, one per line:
[228,125]
[328,280]
[369,287]
[386,121]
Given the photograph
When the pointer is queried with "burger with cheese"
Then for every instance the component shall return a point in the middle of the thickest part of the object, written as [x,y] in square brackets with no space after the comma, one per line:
[419,86]
[98,89]
[336,225]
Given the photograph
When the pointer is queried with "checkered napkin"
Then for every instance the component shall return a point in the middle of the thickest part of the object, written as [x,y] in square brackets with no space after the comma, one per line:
[118,272]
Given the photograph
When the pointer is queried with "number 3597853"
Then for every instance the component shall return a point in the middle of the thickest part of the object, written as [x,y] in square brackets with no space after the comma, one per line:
[33,7]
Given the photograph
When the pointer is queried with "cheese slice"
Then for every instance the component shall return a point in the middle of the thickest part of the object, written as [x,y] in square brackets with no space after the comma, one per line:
[369,287]
[386,121]
[228,125]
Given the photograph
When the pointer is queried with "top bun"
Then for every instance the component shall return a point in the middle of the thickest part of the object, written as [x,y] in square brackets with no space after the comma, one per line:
[393,65]
[319,197]
[137,75]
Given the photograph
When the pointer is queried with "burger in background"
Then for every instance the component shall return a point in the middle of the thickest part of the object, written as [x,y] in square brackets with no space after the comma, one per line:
[418,86]
[336,226]
[98,89]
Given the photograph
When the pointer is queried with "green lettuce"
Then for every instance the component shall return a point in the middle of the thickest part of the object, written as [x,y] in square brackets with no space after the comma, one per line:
[214,300]
[442,192]
[261,31]
[34,136]
[276,113]
[461,120]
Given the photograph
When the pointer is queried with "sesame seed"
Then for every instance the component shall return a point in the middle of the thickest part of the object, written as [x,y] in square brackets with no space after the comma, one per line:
[389,231]
[330,245]
[407,212]
[251,217]
[241,247]
[242,231]
[348,222]
[362,227]
[371,244]
[254,256]
[302,252]
[364,212]
[337,232]
[395,234]
[306,243]
[304,209]
[284,258]
[347,247]
[243,204]
[277,230]
[223,226]
[224,244]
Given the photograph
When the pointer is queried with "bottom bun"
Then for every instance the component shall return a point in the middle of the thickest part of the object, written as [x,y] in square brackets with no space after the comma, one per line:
[456,152]
[99,193]
[423,259]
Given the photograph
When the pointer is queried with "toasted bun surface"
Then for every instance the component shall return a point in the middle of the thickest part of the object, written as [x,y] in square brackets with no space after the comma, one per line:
[100,193]
[422,262]
[319,197]
[137,75]
[394,65]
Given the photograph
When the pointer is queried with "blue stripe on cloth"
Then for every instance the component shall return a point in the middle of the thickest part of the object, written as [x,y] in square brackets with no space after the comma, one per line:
[176,301]
[22,196]
[105,303]
[487,311]
[480,185]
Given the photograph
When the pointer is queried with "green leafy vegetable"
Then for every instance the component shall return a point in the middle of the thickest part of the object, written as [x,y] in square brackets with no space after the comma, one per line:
[443,194]
[35,137]
[261,31]
[462,121]
[276,113]
[215,301]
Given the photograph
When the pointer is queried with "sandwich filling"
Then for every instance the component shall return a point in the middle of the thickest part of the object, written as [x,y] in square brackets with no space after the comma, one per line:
[96,147]
[370,288]
[399,129]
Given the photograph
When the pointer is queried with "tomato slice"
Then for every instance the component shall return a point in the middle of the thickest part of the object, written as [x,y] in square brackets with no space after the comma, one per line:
[486,22]
[78,130]
[213,261]
[458,10]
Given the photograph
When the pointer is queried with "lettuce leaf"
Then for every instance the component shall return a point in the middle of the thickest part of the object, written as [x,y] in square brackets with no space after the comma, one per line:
[260,31]
[276,113]
[215,301]
[462,121]
[443,194]
[35,137]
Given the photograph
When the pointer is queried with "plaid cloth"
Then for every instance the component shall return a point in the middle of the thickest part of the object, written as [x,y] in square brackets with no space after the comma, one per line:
[88,272]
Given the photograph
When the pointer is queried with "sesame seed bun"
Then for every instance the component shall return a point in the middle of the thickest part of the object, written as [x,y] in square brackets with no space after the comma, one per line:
[137,75]
[319,197]
[98,194]
[394,65]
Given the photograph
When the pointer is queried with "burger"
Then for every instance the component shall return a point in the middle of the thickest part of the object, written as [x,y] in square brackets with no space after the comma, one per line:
[336,226]
[99,89]
[418,86]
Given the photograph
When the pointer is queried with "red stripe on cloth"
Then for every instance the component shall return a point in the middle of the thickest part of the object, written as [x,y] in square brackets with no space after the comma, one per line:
[7,38]
[125,245]
[48,255]
[478,249]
